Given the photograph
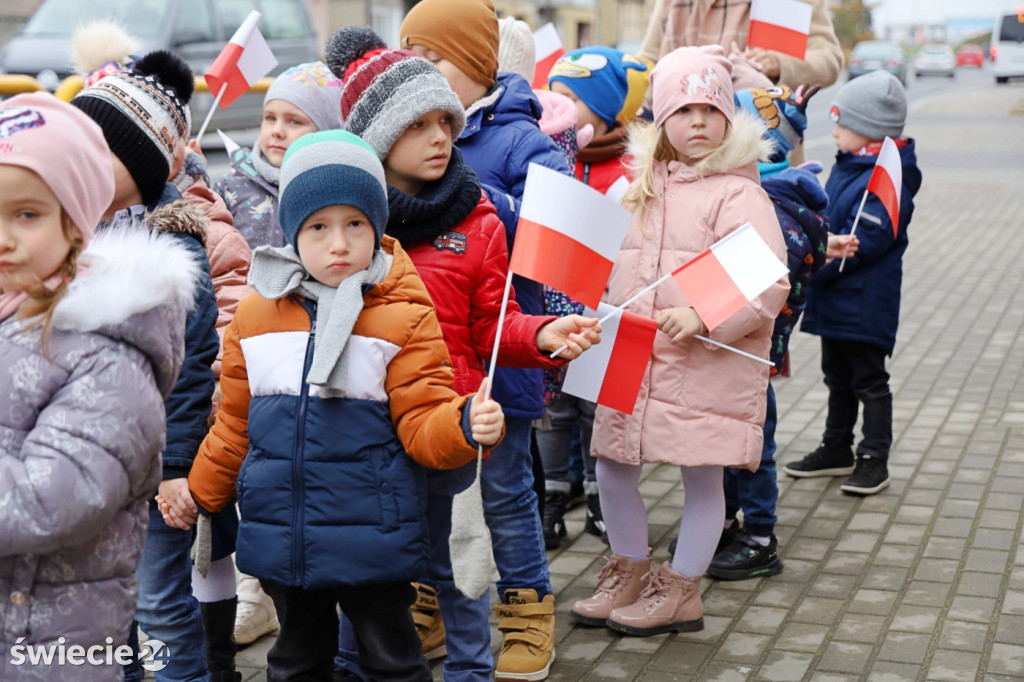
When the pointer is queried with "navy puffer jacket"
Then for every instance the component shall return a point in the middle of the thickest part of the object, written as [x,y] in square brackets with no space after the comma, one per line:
[501,139]
[862,303]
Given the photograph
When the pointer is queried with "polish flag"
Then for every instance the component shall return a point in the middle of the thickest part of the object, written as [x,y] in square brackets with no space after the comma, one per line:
[611,372]
[887,181]
[734,271]
[243,61]
[548,49]
[780,25]
[568,236]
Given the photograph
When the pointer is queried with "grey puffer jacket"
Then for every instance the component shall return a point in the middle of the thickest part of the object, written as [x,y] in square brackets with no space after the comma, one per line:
[81,431]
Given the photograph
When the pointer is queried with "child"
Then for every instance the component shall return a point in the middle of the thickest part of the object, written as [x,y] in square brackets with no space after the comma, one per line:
[856,311]
[700,408]
[143,114]
[344,502]
[595,80]
[406,110]
[500,140]
[88,356]
[301,100]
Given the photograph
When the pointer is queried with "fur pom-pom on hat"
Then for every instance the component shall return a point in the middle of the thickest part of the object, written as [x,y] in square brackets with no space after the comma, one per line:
[99,43]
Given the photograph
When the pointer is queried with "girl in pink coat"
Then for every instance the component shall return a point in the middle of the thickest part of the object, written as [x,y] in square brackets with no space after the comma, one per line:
[700,407]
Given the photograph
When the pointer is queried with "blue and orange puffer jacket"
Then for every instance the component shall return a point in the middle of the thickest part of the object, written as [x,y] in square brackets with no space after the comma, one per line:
[332,490]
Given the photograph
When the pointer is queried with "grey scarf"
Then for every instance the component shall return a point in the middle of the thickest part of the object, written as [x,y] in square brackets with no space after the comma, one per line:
[268,172]
[277,272]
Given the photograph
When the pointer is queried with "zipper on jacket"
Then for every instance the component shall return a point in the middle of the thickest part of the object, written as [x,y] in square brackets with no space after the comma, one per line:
[299,452]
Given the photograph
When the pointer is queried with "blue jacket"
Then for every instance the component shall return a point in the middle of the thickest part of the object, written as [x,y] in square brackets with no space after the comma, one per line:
[862,303]
[799,205]
[188,407]
[501,139]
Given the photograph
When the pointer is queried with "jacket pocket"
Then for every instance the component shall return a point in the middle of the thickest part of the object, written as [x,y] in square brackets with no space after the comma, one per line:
[387,496]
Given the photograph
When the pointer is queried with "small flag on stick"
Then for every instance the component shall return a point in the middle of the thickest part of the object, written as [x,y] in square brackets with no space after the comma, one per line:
[612,372]
[548,50]
[243,61]
[887,181]
[568,236]
[719,281]
[780,25]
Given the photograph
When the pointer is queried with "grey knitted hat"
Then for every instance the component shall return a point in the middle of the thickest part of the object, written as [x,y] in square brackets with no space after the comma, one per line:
[384,90]
[312,88]
[873,105]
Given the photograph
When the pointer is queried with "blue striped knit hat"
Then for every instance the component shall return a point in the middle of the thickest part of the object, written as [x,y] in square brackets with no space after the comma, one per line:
[331,168]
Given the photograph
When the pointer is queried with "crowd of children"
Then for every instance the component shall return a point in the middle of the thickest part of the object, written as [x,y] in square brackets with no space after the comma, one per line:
[310,339]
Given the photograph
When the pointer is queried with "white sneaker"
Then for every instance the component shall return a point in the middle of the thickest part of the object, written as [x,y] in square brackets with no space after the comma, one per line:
[256,615]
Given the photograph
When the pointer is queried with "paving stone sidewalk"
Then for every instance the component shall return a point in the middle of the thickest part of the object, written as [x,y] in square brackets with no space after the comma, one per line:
[924,581]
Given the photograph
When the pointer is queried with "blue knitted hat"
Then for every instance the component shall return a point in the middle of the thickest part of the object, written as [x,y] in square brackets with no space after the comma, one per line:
[598,76]
[331,168]
[779,109]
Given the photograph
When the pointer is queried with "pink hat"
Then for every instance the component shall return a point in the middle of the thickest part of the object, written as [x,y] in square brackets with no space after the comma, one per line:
[689,75]
[64,147]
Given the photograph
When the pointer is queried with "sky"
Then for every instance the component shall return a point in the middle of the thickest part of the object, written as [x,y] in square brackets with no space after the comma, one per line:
[937,11]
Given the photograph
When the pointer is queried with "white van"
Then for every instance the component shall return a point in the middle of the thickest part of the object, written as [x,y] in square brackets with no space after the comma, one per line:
[1008,46]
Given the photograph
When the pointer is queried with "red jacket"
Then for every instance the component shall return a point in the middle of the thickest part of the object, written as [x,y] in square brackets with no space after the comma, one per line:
[464,270]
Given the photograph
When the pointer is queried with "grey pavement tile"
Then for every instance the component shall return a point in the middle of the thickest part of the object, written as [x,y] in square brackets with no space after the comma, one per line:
[929,498]
[848,563]
[725,672]
[925,593]
[1009,629]
[818,610]
[905,534]
[822,529]
[873,602]
[661,676]
[615,666]
[727,603]
[909,513]
[962,635]
[834,677]
[562,672]
[777,593]
[888,671]
[743,647]
[761,619]
[892,578]
[974,609]
[803,637]
[862,542]
[980,584]
[846,657]
[714,630]
[944,548]
[785,666]
[993,538]
[859,627]
[640,645]
[682,657]
[950,527]
[896,555]
[915,618]
[1013,603]
[953,666]
[905,647]
[995,518]
[585,645]
[939,570]
[1010,500]
[797,571]
[832,585]
[987,560]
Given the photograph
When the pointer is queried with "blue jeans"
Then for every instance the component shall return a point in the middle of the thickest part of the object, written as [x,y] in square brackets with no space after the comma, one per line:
[166,609]
[756,493]
[510,507]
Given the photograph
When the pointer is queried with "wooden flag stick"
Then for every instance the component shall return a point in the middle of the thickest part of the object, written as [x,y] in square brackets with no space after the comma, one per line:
[209,114]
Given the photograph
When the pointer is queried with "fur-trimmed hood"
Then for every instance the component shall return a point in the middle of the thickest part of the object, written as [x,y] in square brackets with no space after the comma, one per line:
[136,286]
[743,146]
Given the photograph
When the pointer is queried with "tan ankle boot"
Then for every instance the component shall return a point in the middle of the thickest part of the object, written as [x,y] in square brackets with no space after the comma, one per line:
[619,584]
[528,649]
[670,603]
[429,626]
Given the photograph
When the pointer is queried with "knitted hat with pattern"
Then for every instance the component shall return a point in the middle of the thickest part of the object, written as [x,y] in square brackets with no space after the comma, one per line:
[383,90]
[331,168]
[142,112]
[312,88]
[692,75]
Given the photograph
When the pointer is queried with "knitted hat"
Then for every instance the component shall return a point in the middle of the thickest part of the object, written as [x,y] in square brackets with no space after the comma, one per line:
[873,105]
[465,32]
[312,88]
[142,114]
[598,76]
[783,113]
[639,80]
[384,91]
[65,149]
[516,52]
[690,75]
[331,168]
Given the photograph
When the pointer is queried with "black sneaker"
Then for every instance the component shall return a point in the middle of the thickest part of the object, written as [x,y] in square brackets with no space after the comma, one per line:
[827,460]
[576,495]
[744,559]
[871,476]
[553,522]
[595,520]
[728,535]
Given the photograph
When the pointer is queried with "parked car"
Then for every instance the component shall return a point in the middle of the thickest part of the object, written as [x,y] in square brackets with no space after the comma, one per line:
[1008,47]
[935,60]
[871,55]
[197,30]
[970,55]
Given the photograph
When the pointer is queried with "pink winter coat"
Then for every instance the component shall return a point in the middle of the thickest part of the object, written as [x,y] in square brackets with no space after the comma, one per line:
[699,405]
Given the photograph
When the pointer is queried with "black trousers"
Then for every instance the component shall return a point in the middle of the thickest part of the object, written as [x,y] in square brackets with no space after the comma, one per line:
[855,374]
[389,648]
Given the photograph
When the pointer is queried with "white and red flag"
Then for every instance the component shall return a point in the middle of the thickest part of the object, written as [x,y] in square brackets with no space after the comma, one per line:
[548,49]
[887,181]
[568,236]
[611,372]
[722,279]
[780,25]
[243,61]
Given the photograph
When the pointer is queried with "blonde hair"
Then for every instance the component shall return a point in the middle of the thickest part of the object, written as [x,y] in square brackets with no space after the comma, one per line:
[42,301]
[649,145]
